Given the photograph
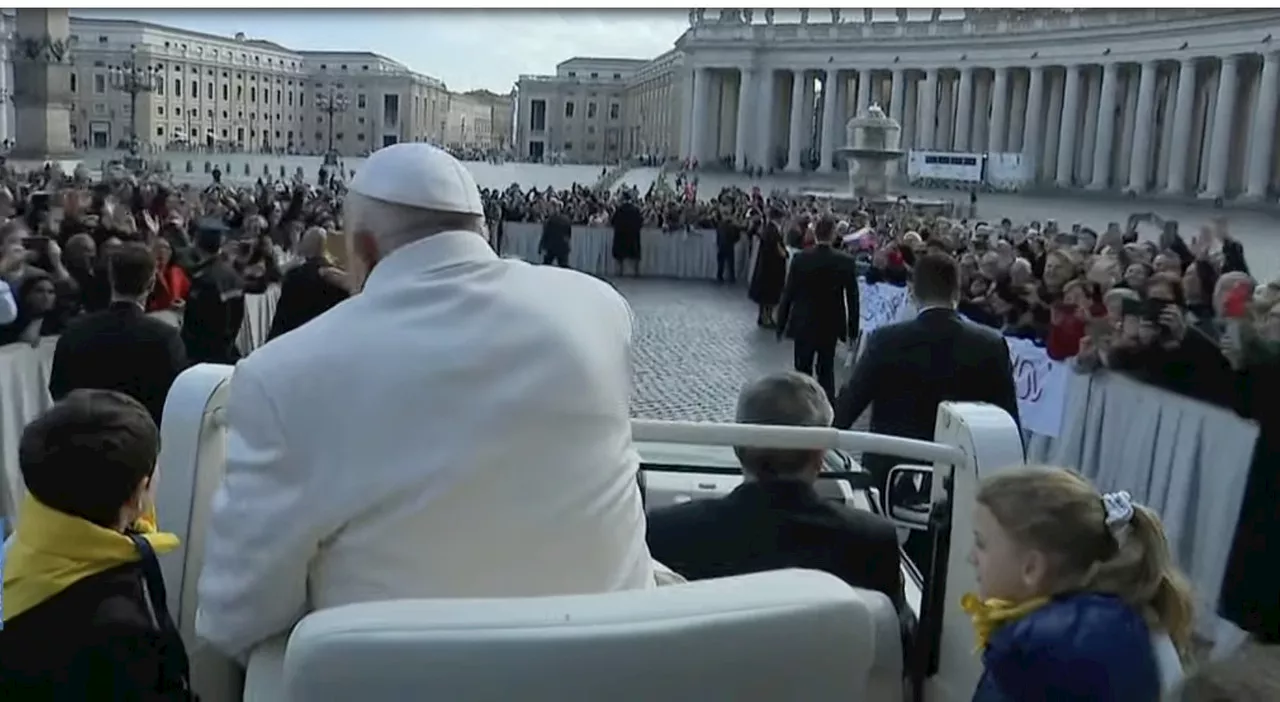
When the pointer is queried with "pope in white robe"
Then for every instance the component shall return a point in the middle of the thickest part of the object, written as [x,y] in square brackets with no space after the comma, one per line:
[460,428]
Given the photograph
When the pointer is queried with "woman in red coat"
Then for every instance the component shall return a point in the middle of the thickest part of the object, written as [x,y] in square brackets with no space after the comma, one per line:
[172,284]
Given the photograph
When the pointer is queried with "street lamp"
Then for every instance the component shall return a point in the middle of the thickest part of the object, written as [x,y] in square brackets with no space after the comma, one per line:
[331,104]
[133,78]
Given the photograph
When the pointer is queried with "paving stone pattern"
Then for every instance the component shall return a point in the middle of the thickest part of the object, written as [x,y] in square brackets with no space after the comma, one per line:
[696,344]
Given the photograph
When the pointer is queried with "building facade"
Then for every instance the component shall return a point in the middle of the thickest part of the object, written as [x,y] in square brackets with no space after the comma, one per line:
[480,119]
[576,115]
[651,108]
[235,92]
[1172,101]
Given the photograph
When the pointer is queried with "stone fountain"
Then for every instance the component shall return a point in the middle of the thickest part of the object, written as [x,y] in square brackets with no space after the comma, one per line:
[871,153]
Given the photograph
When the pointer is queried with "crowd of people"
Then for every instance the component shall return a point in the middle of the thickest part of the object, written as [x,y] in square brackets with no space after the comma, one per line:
[209,247]
[1078,596]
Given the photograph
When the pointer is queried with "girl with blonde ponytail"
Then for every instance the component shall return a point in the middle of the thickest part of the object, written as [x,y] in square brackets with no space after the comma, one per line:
[1079,597]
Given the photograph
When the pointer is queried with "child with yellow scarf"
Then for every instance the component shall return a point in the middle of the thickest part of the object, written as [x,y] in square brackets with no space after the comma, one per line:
[84,614]
[1079,597]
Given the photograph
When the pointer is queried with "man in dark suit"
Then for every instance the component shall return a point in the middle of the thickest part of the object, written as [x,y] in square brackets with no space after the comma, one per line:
[556,233]
[121,348]
[776,519]
[215,304]
[907,369]
[820,305]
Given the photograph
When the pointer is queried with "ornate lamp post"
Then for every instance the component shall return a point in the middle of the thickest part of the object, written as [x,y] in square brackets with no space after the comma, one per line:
[331,103]
[135,79]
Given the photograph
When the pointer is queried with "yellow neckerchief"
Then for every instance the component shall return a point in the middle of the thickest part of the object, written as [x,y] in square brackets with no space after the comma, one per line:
[992,614]
[50,551]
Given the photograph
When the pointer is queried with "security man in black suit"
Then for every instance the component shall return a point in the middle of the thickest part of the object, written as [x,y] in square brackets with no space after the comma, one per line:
[121,348]
[819,305]
[776,519]
[556,234]
[907,369]
[215,304]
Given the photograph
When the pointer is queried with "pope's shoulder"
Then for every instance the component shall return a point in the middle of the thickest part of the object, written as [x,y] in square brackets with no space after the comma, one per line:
[561,291]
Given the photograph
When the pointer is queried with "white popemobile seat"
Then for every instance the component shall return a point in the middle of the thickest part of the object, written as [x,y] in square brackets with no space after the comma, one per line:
[787,635]
[783,635]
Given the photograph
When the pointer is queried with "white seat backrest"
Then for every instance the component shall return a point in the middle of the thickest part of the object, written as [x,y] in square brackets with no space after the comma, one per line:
[192,459]
[783,635]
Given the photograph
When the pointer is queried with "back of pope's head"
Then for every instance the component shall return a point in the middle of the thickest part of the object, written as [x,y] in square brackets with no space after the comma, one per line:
[403,193]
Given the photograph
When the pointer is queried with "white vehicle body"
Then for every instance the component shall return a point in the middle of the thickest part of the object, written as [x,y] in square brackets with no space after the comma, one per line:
[686,641]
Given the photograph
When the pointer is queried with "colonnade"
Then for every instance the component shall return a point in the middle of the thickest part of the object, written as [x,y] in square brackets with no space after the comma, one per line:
[1202,126]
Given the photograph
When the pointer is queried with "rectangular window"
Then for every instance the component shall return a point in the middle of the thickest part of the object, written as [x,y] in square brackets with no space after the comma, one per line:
[361,102]
[538,115]
[568,110]
[99,83]
[226,92]
[615,111]
[591,110]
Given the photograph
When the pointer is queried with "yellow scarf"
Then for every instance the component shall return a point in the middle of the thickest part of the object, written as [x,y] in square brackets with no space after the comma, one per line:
[50,551]
[992,614]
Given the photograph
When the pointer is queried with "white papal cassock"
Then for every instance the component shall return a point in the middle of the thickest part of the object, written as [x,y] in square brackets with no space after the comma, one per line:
[459,429]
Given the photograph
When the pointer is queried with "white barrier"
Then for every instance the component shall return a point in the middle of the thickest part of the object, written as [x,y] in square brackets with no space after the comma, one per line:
[685,255]
[24,389]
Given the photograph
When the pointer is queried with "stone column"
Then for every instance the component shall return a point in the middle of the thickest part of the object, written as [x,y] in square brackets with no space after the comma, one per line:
[946,112]
[898,95]
[998,126]
[1017,113]
[1054,84]
[1070,116]
[796,140]
[698,126]
[830,106]
[1262,130]
[1220,147]
[1128,127]
[1140,164]
[764,118]
[981,114]
[1170,98]
[864,91]
[1031,124]
[1106,128]
[42,85]
[742,142]
[964,109]
[926,109]
[1180,151]
[1089,139]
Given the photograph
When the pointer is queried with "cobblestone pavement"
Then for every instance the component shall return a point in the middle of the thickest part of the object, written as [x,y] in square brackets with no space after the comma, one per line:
[696,344]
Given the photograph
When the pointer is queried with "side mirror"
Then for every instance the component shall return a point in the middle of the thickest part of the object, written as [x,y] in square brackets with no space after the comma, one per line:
[909,496]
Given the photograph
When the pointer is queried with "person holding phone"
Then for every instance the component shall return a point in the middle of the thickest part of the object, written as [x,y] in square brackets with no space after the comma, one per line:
[1167,352]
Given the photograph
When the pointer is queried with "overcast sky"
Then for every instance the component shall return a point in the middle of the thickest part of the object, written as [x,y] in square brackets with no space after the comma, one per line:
[467,49]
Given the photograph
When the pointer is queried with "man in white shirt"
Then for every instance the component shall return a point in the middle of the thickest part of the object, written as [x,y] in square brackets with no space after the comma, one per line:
[460,428]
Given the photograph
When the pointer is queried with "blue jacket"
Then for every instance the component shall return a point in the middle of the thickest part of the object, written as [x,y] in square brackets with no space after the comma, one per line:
[1076,648]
